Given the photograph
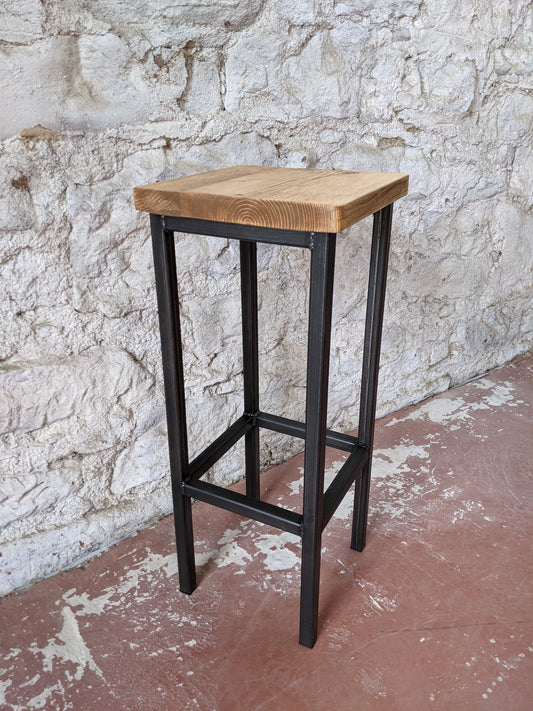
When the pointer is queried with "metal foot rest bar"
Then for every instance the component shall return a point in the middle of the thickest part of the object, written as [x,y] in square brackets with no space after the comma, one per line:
[260,510]
[245,506]
[347,474]
[220,446]
[244,424]
[297,429]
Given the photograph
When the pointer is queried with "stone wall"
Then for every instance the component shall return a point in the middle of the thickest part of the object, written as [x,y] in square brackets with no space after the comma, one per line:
[97,96]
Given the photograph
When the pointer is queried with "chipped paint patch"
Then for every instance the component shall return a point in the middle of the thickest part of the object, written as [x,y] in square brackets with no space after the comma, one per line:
[399,476]
[456,410]
[393,461]
[4,686]
[69,646]
[231,553]
[439,410]
[276,554]
[502,393]
[42,700]
[297,486]
[130,581]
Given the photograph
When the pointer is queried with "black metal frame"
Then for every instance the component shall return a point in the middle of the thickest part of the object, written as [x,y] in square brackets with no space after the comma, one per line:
[318,506]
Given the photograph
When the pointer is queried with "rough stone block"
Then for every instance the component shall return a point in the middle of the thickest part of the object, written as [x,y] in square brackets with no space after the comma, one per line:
[320,80]
[21,22]
[41,393]
[142,462]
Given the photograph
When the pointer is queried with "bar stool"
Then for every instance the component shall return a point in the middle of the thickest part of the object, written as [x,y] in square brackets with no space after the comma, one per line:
[285,206]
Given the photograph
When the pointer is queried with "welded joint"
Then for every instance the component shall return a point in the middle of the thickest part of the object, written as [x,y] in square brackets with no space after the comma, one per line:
[253,416]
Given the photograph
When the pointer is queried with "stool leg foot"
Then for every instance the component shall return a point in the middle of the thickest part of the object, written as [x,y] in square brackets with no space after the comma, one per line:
[369,380]
[360,513]
[309,612]
[250,369]
[169,325]
[184,543]
[320,302]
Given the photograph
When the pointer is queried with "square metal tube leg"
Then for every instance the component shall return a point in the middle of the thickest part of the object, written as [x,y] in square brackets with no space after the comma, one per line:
[369,380]
[169,324]
[320,302]
[248,251]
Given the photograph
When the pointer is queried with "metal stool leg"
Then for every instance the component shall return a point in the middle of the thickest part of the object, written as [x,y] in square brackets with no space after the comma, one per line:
[369,380]
[169,323]
[250,362]
[320,302]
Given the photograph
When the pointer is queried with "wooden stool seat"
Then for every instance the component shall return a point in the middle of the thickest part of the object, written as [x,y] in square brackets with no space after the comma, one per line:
[299,208]
[280,198]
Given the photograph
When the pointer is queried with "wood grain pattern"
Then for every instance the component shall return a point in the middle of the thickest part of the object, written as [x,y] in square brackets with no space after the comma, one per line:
[285,198]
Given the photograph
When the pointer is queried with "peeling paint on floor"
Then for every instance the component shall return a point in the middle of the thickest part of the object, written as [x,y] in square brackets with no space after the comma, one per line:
[435,613]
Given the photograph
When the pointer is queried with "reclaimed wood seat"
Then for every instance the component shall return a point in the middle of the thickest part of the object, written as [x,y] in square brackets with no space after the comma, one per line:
[280,198]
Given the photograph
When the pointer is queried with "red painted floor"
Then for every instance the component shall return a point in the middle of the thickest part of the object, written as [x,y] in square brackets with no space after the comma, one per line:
[436,613]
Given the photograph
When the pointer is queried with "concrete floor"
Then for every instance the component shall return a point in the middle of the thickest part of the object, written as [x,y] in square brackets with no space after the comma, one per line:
[436,613]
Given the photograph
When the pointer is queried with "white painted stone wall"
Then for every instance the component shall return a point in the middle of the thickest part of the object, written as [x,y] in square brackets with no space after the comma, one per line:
[97,96]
